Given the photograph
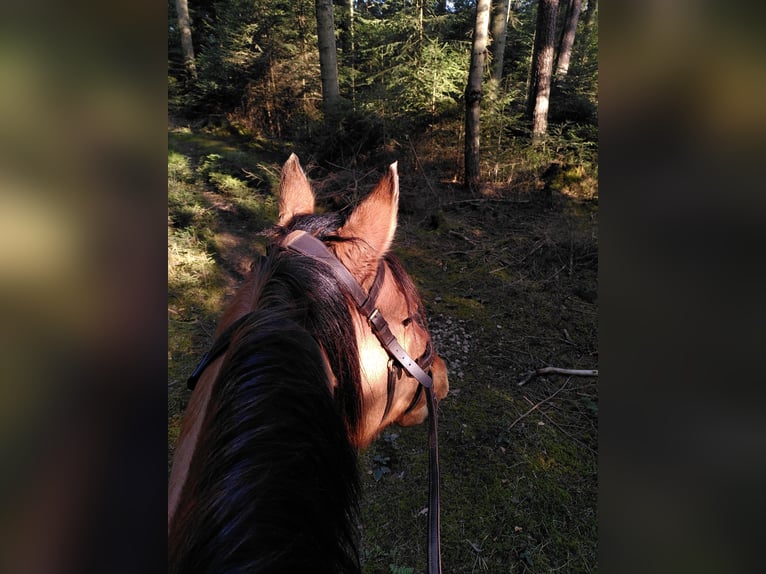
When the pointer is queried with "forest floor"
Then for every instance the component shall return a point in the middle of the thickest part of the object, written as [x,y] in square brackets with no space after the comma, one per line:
[509,281]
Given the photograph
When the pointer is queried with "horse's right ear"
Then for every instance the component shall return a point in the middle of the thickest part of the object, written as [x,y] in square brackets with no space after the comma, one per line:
[373,225]
[295,195]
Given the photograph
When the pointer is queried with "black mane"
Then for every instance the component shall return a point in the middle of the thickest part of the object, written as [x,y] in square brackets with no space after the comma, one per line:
[273,484]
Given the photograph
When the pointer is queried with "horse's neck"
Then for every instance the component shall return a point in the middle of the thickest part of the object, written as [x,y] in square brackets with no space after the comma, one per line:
[278,483]
[187,440]
[198,403]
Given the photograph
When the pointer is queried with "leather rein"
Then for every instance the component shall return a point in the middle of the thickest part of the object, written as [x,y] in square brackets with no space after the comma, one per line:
[306,244]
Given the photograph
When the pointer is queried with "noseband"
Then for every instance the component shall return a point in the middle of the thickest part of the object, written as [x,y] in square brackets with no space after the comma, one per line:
[308,245]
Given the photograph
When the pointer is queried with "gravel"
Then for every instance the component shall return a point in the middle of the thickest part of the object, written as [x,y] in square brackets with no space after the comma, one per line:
[452,342]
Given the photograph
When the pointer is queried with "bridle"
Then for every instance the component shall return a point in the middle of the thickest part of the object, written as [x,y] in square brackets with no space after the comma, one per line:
[308,245]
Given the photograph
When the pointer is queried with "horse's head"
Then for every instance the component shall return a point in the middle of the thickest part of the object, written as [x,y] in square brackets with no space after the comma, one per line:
[362,244]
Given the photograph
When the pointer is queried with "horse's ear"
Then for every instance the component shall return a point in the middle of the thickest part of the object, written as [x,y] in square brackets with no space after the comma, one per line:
[295,195]
[373,223]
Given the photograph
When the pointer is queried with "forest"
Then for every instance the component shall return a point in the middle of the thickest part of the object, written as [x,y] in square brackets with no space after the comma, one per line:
[490,109]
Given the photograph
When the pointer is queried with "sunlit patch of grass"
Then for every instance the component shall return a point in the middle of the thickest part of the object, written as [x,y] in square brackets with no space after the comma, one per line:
[188,263]
[180,130]
[200,140]
[228,185]
[195,287]
[179,168]
[185,210]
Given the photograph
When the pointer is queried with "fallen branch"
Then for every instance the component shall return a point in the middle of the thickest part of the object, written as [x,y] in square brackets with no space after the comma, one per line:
[463,237]
[538,245]
[535,407]
[485,200]
[554,423]
[557,371]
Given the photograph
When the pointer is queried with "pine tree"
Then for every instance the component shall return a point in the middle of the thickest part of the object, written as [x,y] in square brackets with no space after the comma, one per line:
[184,24]
[328,57]
[474,94]
[538,100]
[567,39]
[500,12]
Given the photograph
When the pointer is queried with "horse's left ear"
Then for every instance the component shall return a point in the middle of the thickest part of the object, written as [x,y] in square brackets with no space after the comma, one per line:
[295,195]
[373,224]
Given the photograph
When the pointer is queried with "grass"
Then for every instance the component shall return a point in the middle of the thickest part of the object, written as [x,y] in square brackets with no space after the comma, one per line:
[510,284]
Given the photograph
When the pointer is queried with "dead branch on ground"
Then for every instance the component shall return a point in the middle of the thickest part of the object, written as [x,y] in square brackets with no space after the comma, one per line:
[555,424]
[463,237]
[557,371]
[536,406]
[479,200]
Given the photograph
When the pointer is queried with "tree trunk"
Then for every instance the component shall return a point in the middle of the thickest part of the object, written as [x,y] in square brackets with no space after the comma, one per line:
[542,68]
[328,56]
[420,25]
[500,12]
[568,38]
[590,12]
[184,24]
[348,47]
[473,95]
[563,10]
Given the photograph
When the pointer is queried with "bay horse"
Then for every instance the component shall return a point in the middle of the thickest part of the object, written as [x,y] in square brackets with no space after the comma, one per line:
[264,475]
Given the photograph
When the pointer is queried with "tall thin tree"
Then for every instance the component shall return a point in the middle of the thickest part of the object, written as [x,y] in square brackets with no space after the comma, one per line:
[328,57]
[567,39]
[184,24]
[420,24]
[500,14]
[538,100]
[590,13]
[348,44]
[474,94]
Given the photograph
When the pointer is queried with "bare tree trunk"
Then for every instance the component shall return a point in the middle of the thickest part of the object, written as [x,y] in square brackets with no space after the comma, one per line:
[567,39]
[590,12]
[500,13]
[348,47]
[305,55]
[474,94]
[542,68]
[328,56]
[420,24]
[564,7]
[184,24]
